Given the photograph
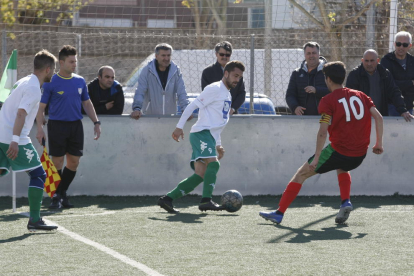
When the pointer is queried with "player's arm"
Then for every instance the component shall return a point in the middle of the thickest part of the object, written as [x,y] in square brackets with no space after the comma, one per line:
[13,150]
[379,129]
[188,112]
[321,139]
[90,111]
[40,122]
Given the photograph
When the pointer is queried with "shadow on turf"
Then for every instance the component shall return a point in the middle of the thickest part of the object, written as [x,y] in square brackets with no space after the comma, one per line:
[301,235]
[22,237]
[182,217]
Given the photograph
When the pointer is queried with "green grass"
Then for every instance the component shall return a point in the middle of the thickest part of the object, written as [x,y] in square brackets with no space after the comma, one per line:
[377,240]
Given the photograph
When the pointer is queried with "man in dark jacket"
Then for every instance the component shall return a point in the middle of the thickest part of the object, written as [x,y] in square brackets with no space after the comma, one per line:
[106,93]
[377,82]
[307,83]
[401,65]
[215,72]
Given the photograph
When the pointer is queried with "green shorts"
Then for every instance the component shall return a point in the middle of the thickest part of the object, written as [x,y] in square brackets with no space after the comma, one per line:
[203,144]
[27,159]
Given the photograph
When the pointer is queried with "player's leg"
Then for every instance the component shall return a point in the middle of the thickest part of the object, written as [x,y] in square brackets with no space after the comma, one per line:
[74,151]
[210,177]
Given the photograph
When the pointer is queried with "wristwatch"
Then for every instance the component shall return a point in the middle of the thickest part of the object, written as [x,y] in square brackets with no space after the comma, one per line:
[97,123]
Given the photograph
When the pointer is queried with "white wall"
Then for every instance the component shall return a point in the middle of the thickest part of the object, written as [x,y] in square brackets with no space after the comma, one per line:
[262,153]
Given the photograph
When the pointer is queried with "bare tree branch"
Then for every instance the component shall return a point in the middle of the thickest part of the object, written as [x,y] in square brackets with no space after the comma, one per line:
[322,8]
[364,9]
[305,12]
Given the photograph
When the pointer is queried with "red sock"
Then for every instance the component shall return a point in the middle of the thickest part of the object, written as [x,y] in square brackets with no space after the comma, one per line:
[344,180]
[289,195]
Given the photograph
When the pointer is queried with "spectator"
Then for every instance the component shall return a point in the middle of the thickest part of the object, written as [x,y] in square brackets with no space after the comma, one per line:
[377,82]
[65,94]
[16,121]
[307,84]
[215,72]
[401,65]
[106,93]
[160,85]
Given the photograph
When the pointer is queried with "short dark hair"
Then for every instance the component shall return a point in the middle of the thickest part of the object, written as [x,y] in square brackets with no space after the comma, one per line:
[44,59]
[336,71]
[67,50]
[163,46]
[312,45]
[104,67]
[231,65]
[225,45]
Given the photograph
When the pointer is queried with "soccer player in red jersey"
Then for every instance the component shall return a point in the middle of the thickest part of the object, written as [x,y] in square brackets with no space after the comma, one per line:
[346,116]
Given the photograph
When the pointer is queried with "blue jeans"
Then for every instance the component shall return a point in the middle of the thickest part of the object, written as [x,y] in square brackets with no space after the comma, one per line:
[392,111]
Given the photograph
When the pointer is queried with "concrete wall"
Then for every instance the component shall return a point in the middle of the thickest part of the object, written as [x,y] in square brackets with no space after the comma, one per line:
[262,153]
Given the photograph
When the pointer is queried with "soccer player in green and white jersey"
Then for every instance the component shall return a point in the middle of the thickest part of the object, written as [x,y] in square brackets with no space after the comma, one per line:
[205,137]
[16,120]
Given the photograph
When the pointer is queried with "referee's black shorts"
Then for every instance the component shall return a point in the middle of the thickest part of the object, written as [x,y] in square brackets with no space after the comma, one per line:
[331,160]
[65,137]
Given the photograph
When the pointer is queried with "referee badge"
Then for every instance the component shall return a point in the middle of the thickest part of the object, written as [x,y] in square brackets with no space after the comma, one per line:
[80,90]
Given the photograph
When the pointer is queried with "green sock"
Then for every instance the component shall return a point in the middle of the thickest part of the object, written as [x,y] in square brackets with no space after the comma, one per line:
[210,178]
[185,186]
[35,201]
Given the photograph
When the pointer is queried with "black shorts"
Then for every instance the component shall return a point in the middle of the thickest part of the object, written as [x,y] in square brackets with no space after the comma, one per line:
[65,137]
[331,160]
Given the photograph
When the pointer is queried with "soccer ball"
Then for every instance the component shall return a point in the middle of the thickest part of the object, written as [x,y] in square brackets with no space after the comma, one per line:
[232,200]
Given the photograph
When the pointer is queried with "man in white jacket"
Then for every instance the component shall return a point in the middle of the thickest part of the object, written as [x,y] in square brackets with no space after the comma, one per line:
[205,138]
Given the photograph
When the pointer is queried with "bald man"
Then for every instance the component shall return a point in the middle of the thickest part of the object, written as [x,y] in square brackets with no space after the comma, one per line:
[377,82]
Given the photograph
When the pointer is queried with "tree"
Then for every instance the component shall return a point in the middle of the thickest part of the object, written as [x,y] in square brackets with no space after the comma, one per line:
[35,11]
[209,16]
[334,16]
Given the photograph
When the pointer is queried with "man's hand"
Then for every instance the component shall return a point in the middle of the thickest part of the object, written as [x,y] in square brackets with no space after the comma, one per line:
[377,149]
[314,163]
[231,111]
[109,105]
[300,110]
[407,116]
[220,152]
[13,150]
[310,89]
[97,131]
[178,132]
[136,114]
[40,135]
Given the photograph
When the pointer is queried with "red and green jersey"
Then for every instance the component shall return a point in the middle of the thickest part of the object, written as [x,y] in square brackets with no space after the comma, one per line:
[350,128]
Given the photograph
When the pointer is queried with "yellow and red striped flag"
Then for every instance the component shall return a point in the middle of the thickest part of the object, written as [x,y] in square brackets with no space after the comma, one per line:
[52,176]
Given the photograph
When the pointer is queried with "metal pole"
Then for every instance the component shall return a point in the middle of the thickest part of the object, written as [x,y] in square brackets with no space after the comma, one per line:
[370,34]
[3,50]
[14,191]
[268,49]
[251,73]
[393,23]
[79,50]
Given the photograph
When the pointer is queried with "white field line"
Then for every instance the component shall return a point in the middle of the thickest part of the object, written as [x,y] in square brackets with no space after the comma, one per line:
[104,249]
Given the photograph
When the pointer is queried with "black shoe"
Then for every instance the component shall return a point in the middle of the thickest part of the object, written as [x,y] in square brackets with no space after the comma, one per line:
[39,225]
[65,202]
[55,203]
[210,206]
[167,205]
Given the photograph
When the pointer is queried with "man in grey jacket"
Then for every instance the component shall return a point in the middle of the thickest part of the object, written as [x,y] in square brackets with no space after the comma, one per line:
[160,86]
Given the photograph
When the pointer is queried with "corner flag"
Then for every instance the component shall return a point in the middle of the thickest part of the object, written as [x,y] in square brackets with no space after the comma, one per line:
[9,77]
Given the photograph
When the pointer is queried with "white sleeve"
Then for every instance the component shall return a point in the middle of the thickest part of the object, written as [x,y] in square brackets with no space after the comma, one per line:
[29,98]
[186,114]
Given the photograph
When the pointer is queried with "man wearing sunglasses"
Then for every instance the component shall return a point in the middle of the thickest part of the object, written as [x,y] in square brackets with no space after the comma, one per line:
[377,82]
[215,72]
[401,65]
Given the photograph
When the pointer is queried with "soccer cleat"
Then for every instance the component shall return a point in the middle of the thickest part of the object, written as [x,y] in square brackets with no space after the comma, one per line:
[55,203]
[39,225]
[210,206]
[64,202]
[167,205]
[272,216]
[344,212]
